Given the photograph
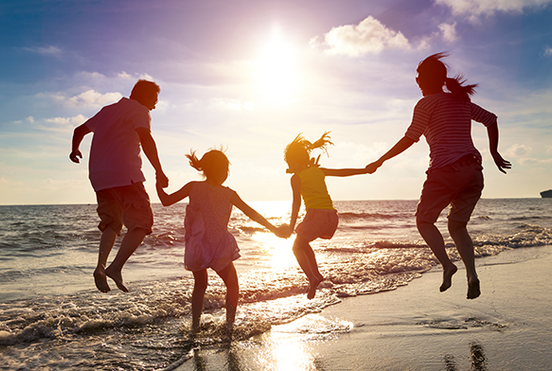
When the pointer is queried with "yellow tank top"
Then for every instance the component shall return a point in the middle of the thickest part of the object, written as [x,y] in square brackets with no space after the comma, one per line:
[313,189]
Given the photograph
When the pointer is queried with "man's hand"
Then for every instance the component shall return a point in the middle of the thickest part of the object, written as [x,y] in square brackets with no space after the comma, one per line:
[162,179]
[75,155]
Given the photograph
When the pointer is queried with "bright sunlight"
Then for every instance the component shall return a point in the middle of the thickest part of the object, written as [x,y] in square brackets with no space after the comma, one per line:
[277,71]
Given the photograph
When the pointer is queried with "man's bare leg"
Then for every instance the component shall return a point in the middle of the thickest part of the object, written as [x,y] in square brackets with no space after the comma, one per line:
[130,243]
[434,239]
[109,236]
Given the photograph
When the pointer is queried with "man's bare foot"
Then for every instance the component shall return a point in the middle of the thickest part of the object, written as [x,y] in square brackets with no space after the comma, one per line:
[447,277]
[313,285]
[117,277]
[473,288]
[101,280]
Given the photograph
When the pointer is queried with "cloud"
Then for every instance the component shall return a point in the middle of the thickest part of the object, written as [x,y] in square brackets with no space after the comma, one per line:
[476,8]
[369,36]
[548,51]
[62,124]
[518,150]
[51,51]
[79,119]
[529,161]
[448,31]
[88,99]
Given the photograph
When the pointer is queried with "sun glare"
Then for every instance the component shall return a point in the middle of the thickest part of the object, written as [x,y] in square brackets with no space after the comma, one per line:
[277,250]
[277,74]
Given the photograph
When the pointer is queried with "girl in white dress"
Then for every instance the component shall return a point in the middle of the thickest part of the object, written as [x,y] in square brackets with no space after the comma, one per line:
[208,243]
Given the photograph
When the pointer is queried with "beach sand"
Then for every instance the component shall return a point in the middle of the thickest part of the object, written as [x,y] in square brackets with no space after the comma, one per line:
[414,327]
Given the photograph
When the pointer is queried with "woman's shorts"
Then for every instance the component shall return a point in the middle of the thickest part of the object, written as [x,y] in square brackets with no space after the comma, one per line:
[318,223]
[459,185]
[128,205]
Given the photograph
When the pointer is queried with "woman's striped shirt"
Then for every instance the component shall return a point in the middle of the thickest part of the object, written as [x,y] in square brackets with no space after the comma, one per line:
[445,121]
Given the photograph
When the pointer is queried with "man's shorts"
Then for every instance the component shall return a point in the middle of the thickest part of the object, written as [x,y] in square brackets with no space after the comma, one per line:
[459,185]
[128,205]
[318,223]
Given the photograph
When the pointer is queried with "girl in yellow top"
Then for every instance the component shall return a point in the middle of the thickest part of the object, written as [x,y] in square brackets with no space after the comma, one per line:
[308,181]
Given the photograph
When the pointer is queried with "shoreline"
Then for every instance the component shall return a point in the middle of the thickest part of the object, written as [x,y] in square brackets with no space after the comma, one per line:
[414,327]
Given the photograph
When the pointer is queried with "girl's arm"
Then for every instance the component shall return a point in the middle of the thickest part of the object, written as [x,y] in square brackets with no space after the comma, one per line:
[169,199]
[251,213]
[343,172]
[296,203]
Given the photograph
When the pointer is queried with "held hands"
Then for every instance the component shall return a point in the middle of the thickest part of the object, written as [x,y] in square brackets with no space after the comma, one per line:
[283,231]
[371,168]
[161,180]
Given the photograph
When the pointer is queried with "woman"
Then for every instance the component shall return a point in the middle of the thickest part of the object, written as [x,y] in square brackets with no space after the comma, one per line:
[454,176]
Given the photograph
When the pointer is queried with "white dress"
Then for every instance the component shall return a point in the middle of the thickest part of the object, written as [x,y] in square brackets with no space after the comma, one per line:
[208,243]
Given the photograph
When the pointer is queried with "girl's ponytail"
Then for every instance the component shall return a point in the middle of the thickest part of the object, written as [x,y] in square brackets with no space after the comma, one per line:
[194,161]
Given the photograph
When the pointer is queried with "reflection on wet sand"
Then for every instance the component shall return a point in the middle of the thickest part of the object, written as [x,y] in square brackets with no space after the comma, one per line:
[478,359]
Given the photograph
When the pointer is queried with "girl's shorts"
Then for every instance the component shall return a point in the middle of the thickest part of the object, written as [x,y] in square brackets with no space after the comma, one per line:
[318,223]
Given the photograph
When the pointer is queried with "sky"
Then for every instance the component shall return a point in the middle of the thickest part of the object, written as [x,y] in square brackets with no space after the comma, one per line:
[249,75]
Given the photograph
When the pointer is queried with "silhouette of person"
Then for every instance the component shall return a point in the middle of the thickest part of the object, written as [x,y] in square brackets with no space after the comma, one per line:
[115,172]
[455,174]
[308,182]
[208,243]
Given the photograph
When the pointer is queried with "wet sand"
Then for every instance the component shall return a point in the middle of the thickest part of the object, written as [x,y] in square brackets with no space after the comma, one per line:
[414,327]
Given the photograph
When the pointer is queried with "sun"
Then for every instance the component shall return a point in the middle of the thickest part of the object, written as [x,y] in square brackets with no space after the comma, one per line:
[277,75]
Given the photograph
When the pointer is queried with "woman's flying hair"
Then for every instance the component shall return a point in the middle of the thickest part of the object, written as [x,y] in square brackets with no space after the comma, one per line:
[298,151]
[434,73]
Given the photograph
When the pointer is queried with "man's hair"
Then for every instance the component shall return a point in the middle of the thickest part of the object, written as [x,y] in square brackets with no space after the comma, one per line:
[144,88]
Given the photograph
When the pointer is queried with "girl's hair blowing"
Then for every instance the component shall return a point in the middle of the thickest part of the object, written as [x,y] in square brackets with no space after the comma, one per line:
[434,72]
[213,163]
[298,151]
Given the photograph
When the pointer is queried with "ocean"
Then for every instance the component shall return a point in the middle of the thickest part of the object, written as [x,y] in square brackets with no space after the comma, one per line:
[52,317]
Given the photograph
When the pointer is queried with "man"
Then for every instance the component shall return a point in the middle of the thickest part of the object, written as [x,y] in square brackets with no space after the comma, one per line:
[115,171]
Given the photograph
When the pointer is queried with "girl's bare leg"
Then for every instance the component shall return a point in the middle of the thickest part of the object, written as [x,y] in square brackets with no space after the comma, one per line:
[230,278]
[198,295]
[307,261]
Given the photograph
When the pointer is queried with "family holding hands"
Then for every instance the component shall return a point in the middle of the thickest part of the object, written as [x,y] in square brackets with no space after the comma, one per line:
[454,178]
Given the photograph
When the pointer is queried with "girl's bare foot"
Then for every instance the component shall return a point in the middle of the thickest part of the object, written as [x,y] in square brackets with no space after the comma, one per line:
[447,277]
[117,277]
[101,280]
[313,285]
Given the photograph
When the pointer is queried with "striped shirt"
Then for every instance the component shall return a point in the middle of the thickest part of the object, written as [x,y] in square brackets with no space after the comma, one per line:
[445,121]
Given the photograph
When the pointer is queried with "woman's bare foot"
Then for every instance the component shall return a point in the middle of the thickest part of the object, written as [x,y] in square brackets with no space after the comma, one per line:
[117,277]
[101,280]
[447,277]
[313,285]
[474,289]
